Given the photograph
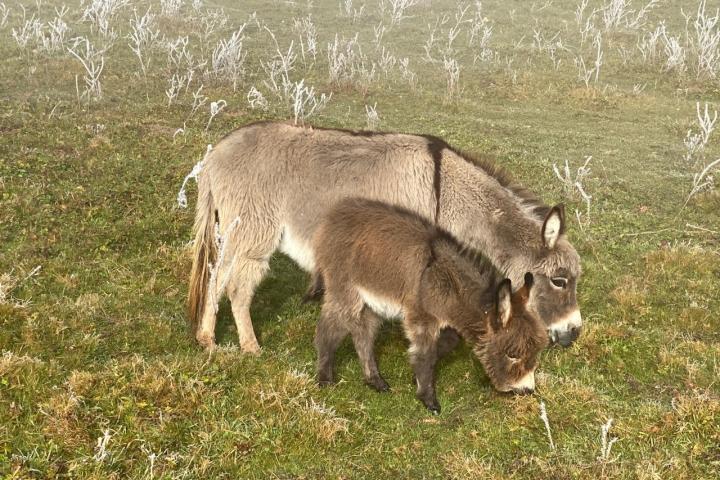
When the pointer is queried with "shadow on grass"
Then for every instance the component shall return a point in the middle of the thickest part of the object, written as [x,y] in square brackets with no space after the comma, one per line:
[283,284]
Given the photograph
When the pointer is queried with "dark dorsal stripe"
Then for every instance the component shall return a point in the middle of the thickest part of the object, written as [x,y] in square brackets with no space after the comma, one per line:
[436,147]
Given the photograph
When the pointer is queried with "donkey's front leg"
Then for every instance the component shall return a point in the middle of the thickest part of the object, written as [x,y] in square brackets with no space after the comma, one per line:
[424,356]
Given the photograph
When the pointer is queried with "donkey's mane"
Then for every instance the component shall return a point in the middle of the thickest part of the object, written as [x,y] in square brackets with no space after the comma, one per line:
[489,165]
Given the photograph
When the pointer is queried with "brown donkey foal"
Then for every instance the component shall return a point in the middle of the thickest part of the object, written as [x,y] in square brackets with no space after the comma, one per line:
[373,259]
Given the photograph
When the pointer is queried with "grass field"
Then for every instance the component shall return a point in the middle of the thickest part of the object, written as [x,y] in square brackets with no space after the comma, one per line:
[98,375]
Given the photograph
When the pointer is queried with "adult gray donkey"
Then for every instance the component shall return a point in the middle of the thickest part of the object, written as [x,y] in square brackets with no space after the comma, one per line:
[267,185]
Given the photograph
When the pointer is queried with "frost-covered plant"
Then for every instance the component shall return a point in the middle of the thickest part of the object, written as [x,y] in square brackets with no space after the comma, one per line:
[57,30]
[93,61]
[605,443]
[546,422]
[278,69]
[695,144]
[4,14]
[30,30]
[674,53]
[451,68]
[228,58]
[378,33]
[407,74]
[706,42]
[397,9]
[101,452]
[617,13]
[215,109]
[181,59]
[211,21]
[256,100]
[597,43]
[177,83]
[143,38]
[305,102]
[170,8]
[306,30]
[341,56]
[386,62]
[101,12]
[347,10]
[193,175]
[649,42]
[198,100]
[372,117]
[480,33]
[573,185]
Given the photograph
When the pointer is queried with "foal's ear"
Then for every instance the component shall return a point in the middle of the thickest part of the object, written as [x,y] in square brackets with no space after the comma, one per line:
[504,303]
[554,225]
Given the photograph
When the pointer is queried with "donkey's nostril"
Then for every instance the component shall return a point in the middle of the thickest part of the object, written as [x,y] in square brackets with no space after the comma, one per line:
[575,332]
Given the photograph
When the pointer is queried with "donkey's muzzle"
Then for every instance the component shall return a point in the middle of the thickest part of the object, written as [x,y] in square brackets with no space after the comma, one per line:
[566,338]
[567,329]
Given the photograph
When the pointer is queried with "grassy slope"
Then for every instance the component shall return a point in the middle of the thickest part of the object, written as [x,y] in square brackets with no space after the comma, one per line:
[102,345]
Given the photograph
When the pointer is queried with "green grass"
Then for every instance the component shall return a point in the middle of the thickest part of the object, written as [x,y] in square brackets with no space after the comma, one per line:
[96,341]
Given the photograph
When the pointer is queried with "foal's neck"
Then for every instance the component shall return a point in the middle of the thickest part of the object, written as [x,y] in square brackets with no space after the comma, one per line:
[474,324]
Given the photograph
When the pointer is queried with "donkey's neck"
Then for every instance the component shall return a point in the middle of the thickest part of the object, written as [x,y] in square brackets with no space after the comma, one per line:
[487,216]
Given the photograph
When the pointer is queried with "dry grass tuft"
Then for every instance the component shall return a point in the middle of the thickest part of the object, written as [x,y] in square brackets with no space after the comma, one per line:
[459,466]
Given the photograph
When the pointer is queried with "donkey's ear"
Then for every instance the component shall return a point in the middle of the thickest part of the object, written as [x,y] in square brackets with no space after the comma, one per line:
[504,303]
[554,225]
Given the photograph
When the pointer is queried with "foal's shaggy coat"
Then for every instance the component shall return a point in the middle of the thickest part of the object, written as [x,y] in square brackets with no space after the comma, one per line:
[373,258]
[265,187]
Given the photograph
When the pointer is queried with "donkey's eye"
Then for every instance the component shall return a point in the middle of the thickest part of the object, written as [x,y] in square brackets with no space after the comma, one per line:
[559,282]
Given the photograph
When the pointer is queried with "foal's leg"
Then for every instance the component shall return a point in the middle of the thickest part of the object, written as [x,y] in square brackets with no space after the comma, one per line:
[330,332]
[423,336]
[364,332]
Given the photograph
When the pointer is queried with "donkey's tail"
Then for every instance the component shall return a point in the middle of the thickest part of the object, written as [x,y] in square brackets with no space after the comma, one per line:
[204,254]
[316,289]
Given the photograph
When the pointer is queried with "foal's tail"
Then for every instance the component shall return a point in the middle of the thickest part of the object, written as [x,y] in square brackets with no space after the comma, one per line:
[204,253]
[316,289]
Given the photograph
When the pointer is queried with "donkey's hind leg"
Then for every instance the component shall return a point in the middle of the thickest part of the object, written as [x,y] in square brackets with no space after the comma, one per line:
[363,334]
[244,278]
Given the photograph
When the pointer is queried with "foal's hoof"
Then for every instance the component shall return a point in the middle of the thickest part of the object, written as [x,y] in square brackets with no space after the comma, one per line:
[431,404]
[434,408]
[325,381]
[378,384]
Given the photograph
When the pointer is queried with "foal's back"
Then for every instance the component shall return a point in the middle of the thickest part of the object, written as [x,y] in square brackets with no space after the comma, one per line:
[386,250]
[373,245]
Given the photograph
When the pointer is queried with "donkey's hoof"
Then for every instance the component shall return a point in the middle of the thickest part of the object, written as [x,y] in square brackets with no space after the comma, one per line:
[378,384]
[252,348]
[207,341]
